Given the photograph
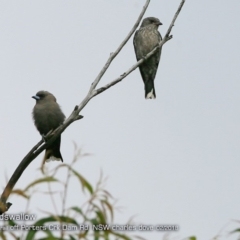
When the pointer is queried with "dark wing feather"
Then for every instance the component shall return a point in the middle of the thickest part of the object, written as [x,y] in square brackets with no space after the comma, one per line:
[144,42]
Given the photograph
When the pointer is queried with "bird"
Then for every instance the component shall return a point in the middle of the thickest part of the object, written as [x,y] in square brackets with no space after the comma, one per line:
[47,116]
[144,41]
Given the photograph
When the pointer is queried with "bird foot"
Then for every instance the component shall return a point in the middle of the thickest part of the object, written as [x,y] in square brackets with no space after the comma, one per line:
[44,138]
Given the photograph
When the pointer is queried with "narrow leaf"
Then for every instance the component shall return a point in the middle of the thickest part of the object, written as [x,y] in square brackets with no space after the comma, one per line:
[20,193]
[41,180]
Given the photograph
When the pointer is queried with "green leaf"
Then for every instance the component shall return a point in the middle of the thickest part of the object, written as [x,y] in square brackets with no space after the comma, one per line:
[72,238]
[41,222]
[50,238]
[11,223]
[109,206]
[2,235]
[236,230]
[101,217]
[84,182]
[20,193]
[192,238]
[82,235]
[79,211]
[41,180]
[94,221]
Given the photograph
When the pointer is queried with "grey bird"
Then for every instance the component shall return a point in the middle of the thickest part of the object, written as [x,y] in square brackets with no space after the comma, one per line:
[144,41]
[47,116]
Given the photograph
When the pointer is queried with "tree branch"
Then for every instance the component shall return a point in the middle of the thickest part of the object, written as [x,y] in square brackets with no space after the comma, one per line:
[166,38]
[114,54]
[74,116]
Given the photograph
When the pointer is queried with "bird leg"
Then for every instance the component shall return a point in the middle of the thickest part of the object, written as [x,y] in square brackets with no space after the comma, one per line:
[45,137]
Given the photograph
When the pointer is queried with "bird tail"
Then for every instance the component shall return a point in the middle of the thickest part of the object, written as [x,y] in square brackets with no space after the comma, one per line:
[150,90]
[52,152]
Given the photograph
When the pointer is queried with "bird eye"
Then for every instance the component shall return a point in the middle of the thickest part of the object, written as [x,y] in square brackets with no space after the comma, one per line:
[41,95]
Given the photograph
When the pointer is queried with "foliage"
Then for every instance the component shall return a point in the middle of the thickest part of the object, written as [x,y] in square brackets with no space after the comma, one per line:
[75,222]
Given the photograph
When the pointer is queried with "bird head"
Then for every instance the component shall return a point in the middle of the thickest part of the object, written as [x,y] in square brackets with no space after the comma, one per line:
[151,21]
[44,96]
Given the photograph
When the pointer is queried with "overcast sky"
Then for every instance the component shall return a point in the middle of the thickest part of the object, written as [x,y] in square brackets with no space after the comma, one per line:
[171,160]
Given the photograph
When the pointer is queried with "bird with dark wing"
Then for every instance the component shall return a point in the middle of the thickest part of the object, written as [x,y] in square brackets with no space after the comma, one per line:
[145,40]
[47,116]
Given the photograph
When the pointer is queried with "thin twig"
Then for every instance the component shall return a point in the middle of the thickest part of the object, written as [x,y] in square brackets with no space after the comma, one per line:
[166,38]
[114,54]
[174,18]
[65,197]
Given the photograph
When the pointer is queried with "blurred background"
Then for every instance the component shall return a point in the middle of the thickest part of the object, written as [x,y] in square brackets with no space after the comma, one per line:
[173,160]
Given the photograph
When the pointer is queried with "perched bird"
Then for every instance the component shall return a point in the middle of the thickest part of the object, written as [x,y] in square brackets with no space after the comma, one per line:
[145,40]
[47,116]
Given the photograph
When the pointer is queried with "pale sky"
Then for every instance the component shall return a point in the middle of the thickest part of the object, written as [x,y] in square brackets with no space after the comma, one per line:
[173,160]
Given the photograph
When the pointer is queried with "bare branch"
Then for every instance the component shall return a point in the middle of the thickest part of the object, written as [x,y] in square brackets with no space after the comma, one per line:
[74,116]
[113,55]
[166,38]
[174,19]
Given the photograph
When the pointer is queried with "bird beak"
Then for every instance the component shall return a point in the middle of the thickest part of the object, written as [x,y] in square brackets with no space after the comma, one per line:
[159,24]
[36,97]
